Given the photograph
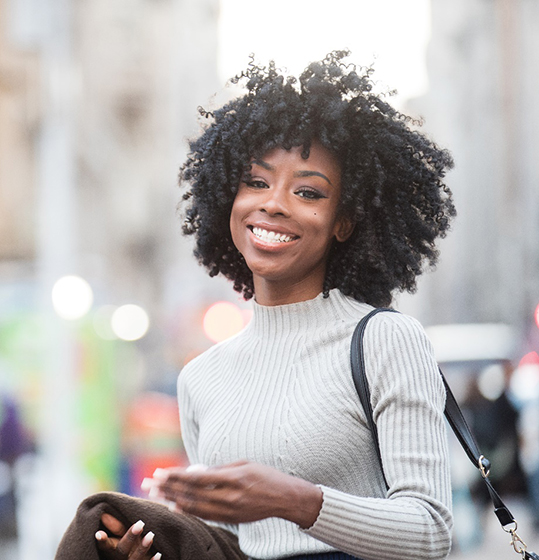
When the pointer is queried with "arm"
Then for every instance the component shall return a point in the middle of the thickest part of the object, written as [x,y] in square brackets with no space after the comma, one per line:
[408,399]
[241,492]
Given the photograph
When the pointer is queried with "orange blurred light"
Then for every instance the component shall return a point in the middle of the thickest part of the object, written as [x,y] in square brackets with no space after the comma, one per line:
[222,320]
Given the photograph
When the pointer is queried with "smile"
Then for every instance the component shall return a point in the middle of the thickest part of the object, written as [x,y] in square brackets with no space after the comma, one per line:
[271,236]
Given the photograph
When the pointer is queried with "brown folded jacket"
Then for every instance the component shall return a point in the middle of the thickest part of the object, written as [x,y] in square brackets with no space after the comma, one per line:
[177,536]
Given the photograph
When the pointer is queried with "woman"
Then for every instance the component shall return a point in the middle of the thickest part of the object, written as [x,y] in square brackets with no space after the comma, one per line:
[320,201]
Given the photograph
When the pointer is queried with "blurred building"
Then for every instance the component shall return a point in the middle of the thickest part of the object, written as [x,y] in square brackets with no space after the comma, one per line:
[96,100]
[19,117]
[122,85]
[482,105]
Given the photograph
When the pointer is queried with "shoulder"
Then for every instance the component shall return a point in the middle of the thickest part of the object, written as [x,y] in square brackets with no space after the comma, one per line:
[400,363]
[396,328]
[397,345]
[384,322]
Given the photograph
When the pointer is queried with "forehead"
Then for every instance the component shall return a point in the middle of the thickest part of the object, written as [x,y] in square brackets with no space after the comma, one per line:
[320,159]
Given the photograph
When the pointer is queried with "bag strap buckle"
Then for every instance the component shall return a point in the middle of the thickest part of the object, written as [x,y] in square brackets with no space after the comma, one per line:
[484,466]
[517,543]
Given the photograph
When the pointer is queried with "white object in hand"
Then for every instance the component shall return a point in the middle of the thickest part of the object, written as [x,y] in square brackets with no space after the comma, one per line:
[196,468]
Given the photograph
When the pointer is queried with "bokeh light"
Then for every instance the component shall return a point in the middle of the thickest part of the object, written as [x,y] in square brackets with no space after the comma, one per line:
[491,382]
[525,379]
[537,315]
[531,358]
[130,322]
[222,320]
[72,297]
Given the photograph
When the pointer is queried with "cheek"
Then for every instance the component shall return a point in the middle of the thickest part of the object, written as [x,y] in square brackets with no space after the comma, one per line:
[235,224]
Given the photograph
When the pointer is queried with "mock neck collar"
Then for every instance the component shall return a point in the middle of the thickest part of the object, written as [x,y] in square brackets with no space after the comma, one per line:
[304,315]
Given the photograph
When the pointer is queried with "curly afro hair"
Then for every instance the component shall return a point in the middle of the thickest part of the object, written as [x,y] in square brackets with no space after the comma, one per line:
[392,175]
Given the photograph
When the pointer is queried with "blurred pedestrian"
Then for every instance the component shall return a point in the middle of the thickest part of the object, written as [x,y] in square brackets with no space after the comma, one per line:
[14,442]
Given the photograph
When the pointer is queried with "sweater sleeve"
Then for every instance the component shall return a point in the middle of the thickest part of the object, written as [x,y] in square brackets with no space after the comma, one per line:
[414,520]
[190,432]
[189,426]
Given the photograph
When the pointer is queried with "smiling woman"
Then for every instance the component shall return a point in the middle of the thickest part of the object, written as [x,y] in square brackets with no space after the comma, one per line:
[319,200]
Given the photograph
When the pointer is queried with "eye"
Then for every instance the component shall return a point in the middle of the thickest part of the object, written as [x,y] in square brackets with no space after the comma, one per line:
[309,193]
[256,184]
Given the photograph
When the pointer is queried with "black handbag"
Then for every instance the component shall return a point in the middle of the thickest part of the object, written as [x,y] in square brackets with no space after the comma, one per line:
[457,422]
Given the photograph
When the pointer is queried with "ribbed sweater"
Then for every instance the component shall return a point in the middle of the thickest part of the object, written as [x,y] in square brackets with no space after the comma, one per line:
[281,393]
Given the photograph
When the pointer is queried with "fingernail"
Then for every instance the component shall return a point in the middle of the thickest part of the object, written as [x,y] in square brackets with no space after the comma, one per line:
[156,556]
[137,527]
[147,484]
[148,539]
[99,535]
[195,468]
[160,473]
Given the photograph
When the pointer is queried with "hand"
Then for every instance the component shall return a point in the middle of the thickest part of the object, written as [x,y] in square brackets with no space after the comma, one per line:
[237,493]
[127,543]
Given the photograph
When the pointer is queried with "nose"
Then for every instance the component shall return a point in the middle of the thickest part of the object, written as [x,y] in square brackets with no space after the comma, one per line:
[275,202]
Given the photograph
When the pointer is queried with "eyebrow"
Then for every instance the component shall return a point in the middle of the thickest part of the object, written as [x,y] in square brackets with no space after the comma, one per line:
[311,174]
[263,164]
[269,167]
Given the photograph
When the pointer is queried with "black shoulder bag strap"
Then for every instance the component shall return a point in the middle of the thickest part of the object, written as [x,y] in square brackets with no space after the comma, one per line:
[457,422]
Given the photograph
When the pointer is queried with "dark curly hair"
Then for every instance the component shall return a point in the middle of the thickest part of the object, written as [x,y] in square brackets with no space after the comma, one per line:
[392,175]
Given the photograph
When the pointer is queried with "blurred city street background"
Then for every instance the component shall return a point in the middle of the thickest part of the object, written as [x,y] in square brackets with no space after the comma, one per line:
[101,301]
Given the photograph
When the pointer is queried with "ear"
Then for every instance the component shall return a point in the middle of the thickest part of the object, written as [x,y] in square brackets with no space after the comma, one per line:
[344,228]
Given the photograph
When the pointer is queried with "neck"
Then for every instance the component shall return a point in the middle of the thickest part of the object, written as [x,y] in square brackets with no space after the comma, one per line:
[270,293]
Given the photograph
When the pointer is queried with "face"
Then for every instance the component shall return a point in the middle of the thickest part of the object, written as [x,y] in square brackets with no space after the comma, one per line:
[284,219]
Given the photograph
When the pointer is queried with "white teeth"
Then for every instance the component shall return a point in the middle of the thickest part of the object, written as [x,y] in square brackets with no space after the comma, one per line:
[271,236]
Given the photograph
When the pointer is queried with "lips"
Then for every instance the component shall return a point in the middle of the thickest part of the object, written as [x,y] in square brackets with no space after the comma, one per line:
[272,236]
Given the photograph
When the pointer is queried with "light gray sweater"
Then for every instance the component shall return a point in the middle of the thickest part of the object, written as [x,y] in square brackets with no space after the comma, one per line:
[281,393]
